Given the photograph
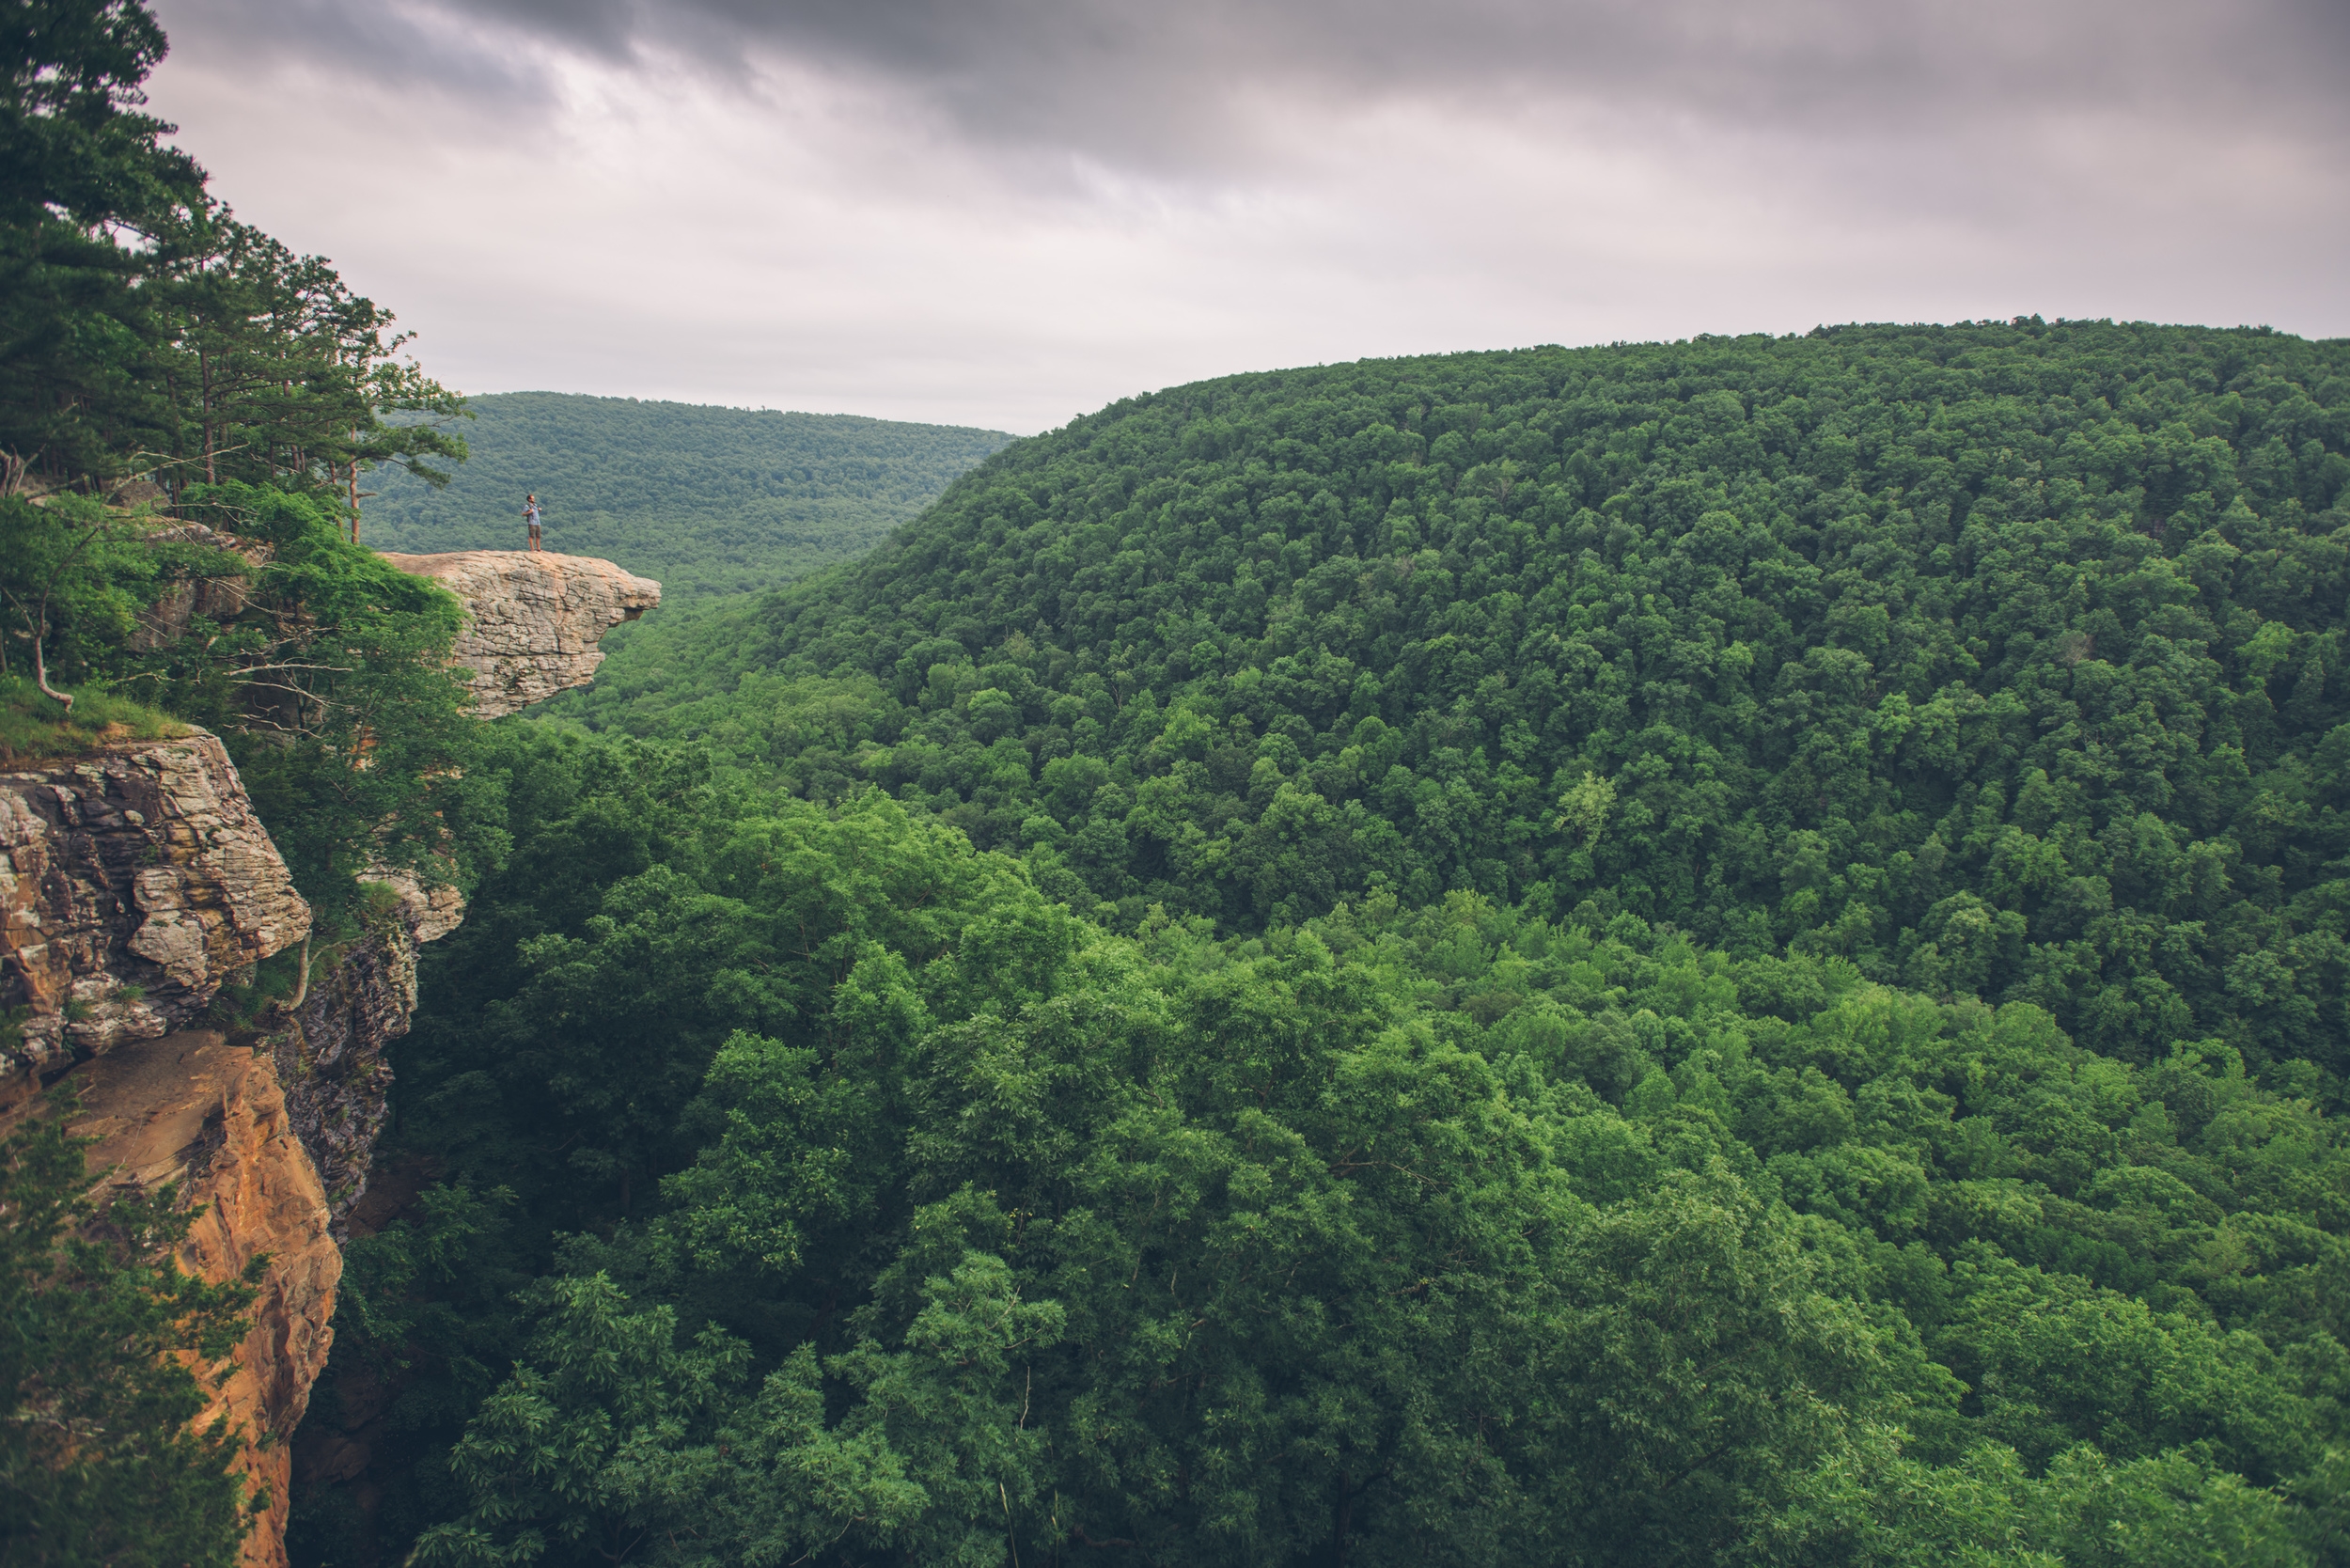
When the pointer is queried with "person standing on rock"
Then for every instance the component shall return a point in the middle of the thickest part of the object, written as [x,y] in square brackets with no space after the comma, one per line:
[530,516]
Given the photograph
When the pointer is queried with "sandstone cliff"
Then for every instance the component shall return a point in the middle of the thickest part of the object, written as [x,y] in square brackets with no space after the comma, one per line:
[137,881]
[532,618]
[132,884]
[196,1109]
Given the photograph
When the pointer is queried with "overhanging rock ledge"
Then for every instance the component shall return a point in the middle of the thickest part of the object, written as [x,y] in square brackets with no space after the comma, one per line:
[532,618]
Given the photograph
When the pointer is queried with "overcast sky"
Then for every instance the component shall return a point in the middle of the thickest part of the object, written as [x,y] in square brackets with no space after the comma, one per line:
[1006,212]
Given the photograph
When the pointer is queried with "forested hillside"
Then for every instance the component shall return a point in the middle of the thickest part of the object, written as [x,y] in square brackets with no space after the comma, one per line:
[2004,661]
[1721,952]
[814,1186]
[1711,953]
[705,500]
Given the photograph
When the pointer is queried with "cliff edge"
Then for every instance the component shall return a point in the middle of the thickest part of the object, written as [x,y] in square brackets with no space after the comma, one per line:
[533,619]
[136,880]
[132,883]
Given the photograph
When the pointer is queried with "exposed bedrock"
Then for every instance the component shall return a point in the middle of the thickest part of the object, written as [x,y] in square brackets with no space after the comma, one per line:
[136,880]
[329,1051]
[132,883]
[193,1109]
[533,619]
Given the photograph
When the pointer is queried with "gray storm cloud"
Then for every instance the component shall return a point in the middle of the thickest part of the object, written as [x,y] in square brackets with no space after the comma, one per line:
[1007,209]
[1170,85]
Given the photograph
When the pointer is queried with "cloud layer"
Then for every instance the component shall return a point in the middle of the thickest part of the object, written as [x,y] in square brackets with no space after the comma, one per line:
[1004,212]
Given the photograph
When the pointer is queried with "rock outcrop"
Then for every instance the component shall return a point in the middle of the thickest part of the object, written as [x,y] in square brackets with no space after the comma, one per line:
[136,880]
[330,1051]
[220,596]
[533,619]
[132,883]
[196,1109]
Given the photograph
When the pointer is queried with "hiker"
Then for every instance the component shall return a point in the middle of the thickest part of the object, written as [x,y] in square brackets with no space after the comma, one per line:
[530,516]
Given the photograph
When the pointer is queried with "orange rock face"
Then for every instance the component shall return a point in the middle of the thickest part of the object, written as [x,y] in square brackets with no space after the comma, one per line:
[190,1107]
[135,881]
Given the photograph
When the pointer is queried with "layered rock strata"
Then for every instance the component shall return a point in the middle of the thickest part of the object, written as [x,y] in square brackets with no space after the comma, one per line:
[195,1109]
[132,883]
[532,618]
[135,882]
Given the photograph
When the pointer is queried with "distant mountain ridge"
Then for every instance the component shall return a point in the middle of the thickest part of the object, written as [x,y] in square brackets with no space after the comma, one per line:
[707,500]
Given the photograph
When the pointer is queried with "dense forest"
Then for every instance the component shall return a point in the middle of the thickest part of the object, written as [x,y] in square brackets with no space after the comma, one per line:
[1710,952]
[883,1210]
[1997,659]
[705,500]
[1718,952]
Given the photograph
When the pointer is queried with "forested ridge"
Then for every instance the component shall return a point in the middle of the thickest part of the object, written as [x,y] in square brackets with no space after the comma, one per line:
[706,500]
[1714,953]
[2002,659]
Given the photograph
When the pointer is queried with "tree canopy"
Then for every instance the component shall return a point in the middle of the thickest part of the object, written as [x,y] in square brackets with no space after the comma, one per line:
[1999,660]
[1725,951]
[909,1214]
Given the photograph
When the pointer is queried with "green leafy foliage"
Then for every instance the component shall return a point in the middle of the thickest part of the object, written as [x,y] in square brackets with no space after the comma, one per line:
[914,1216]
[101,1338]
[1998,660]
[324,668]
[142,328]
[333,685]
[146,332]
[78,162]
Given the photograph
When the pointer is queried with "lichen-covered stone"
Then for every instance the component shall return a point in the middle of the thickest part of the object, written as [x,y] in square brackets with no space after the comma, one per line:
[132,883]
[533,619]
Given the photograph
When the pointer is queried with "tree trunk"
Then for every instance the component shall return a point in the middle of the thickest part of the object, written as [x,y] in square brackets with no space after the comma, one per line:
[40,663]
[204,363]
[302,987]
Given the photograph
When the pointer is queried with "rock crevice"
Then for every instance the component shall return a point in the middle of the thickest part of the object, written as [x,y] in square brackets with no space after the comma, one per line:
[329,1051]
